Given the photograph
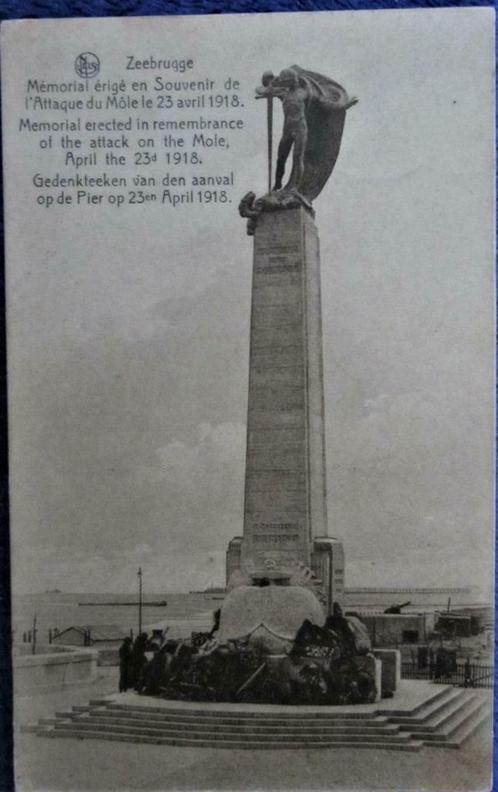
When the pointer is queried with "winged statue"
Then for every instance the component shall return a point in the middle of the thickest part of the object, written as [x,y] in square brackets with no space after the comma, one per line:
[314,108]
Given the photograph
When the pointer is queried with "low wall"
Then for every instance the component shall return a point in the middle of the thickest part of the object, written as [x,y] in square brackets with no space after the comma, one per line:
[108,657]
[26,649]
[52,668]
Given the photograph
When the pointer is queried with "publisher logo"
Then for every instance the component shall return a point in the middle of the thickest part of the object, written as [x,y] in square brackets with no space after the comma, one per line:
[87,65]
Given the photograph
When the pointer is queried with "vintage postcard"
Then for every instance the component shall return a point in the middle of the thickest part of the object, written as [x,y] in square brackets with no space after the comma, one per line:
[250,310]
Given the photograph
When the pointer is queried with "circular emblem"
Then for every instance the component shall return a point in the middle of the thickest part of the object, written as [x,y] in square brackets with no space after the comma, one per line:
[87,65]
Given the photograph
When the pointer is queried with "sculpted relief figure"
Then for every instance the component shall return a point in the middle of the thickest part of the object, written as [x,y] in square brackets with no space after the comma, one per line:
[314,109]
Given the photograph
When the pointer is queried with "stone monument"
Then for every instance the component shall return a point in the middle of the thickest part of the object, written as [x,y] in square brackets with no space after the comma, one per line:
[285,533]
[280,635]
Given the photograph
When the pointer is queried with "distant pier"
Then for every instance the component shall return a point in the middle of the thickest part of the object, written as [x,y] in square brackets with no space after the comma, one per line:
[156,604]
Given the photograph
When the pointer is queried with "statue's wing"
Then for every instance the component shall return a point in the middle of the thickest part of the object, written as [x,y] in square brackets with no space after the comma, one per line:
[325,115]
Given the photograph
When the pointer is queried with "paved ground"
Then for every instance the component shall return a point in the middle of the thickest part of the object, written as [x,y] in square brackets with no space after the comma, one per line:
[72,765]
[29,708]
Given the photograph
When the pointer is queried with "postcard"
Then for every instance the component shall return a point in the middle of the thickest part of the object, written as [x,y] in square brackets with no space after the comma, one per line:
[250,313]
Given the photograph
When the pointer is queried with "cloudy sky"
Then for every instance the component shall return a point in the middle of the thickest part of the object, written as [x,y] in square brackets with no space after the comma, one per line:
[129,329]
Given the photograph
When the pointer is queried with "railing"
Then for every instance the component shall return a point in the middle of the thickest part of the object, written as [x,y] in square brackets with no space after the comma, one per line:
[460,675]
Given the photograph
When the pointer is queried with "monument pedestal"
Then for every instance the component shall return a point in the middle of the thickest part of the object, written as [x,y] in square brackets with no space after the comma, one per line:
[285,510]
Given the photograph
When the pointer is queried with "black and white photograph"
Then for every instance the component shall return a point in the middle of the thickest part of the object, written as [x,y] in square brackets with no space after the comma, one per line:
[250,338]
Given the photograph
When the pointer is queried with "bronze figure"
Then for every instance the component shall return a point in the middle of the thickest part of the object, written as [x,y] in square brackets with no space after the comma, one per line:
[314,109]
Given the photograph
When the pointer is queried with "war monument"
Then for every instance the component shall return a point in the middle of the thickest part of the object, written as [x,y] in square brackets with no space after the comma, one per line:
[285,512]
[280,635]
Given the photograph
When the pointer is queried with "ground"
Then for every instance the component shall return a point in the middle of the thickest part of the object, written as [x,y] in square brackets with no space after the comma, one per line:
[71,765]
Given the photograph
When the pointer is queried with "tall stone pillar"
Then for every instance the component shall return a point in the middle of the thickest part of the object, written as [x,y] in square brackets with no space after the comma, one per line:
[285,509]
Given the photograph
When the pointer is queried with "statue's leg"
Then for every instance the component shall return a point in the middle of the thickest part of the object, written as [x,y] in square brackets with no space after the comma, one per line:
[284,148]
[298,160]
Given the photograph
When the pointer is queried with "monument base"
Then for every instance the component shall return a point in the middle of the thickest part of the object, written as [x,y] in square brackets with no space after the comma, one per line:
[326,566]
[271,643]
[267,617]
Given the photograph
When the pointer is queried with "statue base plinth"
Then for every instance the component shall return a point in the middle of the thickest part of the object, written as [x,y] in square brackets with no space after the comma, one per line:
[275,201]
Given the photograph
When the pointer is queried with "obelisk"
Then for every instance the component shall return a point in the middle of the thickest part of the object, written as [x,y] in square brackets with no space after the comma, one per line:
[285,528]
[285,488]
[285,504]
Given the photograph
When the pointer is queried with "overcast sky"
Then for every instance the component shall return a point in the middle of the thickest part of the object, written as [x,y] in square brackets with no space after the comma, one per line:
[129,329]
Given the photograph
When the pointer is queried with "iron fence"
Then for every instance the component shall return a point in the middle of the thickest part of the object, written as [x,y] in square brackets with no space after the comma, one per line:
[460,675]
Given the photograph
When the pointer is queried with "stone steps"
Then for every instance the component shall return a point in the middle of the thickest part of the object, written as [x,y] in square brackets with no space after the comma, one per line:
[445,722]
[245,728]
[231,744]
[451,722]
[192,721]
[226,736]
[445,719]
[455,732]
[465,730]
[438,702]
[237,711]
[221,731]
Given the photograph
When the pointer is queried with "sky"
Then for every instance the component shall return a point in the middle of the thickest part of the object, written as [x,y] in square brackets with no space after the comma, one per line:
[128,330]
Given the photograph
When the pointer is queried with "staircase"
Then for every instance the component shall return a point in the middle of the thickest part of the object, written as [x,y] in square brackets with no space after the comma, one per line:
[446,720]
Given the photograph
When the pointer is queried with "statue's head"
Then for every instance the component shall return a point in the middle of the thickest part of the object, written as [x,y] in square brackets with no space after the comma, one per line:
[287,78]
[278,86]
